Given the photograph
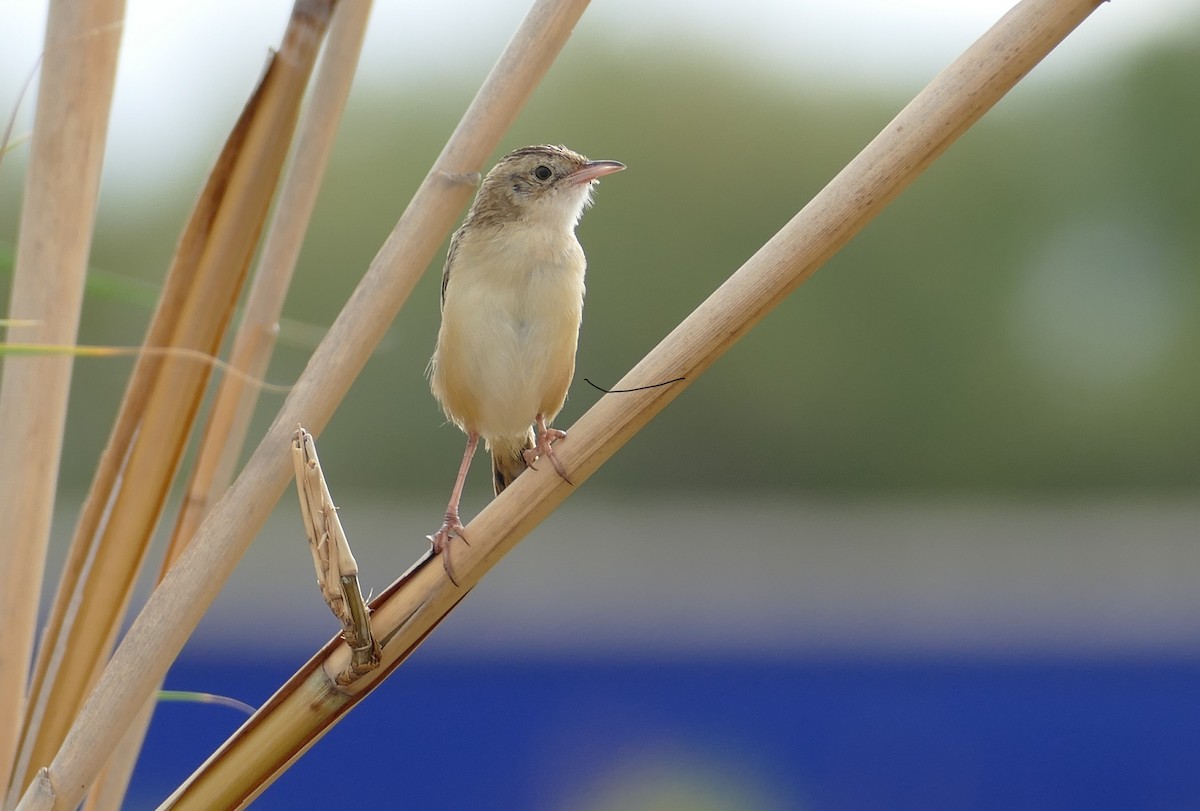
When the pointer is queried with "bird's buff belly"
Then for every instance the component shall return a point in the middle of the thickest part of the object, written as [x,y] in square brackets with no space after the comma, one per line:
[507,369]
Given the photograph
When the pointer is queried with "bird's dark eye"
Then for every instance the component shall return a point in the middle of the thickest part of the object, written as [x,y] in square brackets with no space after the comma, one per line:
[542,173]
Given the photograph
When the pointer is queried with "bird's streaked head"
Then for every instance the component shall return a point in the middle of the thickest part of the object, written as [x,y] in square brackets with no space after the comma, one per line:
[550,184]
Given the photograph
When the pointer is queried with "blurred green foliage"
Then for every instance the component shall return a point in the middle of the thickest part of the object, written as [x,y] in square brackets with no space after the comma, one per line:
[1024,318]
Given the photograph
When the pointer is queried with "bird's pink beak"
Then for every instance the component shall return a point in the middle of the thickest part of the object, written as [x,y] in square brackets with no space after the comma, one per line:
[595,169]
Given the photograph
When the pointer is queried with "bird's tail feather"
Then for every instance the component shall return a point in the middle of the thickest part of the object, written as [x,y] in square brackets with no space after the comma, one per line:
[507,464]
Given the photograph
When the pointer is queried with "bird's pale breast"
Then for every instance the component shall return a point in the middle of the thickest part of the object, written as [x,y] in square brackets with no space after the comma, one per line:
[510,324]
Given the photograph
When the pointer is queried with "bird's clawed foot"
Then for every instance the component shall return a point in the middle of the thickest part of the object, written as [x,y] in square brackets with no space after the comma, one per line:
[441,541]
[544,447]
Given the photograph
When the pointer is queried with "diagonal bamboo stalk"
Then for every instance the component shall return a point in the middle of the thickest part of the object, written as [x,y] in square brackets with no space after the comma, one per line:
[229,418]
[175,607]
[163,396]
[57,218]
[404,615]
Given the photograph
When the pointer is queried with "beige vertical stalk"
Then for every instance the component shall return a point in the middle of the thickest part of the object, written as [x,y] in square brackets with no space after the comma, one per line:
[70,129]
[255,339]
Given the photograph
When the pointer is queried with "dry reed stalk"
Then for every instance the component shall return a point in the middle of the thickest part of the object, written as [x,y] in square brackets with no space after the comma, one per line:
[404,615]
[255,339]
[229,419]
[164,396]
[333,560]
[176,606]
[57,218]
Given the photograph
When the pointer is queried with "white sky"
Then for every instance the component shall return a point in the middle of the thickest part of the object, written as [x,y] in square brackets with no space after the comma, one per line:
[180,56]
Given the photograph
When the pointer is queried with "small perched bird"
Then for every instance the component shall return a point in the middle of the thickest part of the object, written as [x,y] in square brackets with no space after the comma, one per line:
[512,303]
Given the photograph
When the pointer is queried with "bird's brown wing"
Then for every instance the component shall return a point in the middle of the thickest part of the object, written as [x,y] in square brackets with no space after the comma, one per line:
[449,262]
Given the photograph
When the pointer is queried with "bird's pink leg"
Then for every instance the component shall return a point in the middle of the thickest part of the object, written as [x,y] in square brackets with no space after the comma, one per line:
[545,447]
[452,526]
